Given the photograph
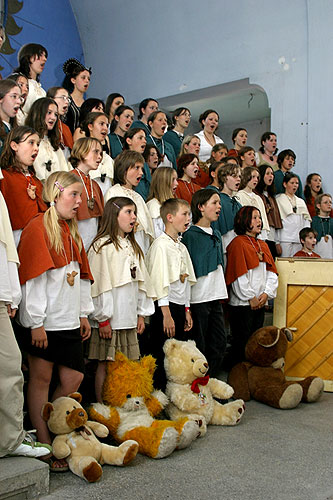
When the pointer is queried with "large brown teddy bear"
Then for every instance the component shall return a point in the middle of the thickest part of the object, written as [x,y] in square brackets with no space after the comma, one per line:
[191,391]
[261,377]
[76,441]
[131,405]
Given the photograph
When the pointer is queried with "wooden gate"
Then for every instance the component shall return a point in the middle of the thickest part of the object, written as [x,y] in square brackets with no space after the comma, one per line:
[305,302]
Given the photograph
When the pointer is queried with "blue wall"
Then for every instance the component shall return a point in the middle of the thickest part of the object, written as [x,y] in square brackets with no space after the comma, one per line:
[52,24]
[142,48]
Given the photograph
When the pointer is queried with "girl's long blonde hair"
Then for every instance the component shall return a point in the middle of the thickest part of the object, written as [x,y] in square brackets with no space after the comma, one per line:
[161,184]
[51,193]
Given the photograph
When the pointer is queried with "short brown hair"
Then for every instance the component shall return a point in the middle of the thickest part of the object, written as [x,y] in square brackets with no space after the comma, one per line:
[81,148]
[171,206]
[227,170]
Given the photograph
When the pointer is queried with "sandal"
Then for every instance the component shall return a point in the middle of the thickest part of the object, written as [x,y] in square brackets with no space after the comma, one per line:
[52,461]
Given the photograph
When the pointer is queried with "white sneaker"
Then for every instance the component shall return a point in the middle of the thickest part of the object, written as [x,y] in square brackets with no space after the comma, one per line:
[31,448]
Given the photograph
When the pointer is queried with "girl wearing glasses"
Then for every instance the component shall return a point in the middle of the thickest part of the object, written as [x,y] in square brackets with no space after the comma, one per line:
[61,97]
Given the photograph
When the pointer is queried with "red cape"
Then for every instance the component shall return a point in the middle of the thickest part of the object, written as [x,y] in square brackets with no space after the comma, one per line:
[20,206]
[36,256]
[241,257]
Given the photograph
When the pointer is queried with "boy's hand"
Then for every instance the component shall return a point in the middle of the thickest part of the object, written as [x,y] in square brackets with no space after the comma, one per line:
[39,337]
[262,299]
[254,303]
[140,325]
[168,322]
[188,321]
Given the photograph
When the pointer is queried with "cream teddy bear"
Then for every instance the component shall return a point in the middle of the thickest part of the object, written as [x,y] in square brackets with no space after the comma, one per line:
[76,441]
[191,391]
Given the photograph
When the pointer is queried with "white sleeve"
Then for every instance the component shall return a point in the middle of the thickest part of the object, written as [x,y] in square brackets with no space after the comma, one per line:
[164,301]
[187,294]
[103,307]
[15,284]
[34,302]
[145,304]
[86,303]
[271,284]
[242,288]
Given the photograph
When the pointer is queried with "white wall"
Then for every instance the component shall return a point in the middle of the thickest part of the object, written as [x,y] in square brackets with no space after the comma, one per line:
[151,48]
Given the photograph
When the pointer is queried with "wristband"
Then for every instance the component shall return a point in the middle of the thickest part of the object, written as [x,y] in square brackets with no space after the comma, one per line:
[187,309]
[104,323]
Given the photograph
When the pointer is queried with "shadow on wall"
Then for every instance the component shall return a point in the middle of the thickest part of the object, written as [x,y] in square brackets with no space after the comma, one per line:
[238,103]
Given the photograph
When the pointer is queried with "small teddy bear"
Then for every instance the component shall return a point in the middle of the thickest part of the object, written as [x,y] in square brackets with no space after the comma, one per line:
[131,405]
[261,377]
[191,391]
[76,441]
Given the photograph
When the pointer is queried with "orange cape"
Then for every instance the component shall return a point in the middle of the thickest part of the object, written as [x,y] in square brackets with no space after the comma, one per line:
[36,256]
[21,207]
[241,257]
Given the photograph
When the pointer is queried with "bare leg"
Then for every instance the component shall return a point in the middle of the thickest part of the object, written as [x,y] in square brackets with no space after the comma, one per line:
[99,380]
[40,373]
[69,381]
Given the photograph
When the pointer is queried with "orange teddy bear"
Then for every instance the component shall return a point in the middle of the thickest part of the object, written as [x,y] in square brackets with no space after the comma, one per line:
[131,405]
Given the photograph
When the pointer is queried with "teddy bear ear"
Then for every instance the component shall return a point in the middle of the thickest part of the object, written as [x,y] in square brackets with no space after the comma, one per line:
[46,411]
[149,363]
[268,336]
[75,395]
[289,333]
[169,345]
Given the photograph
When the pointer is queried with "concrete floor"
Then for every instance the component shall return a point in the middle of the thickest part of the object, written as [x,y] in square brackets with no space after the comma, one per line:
[271,455]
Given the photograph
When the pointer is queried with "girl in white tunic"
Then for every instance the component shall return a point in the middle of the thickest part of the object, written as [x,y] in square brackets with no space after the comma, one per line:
[163,186]
[122,293]
[128,171]
[247,197]
[56,299]
[43,117]
[294,214]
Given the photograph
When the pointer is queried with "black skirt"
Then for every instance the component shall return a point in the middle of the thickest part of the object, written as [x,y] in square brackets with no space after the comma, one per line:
[64,348]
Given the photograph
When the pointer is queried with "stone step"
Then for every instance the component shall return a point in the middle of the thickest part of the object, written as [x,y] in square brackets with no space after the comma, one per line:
[23,478]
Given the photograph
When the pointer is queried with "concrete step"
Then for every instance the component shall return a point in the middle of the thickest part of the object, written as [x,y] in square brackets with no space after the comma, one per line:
[23,478]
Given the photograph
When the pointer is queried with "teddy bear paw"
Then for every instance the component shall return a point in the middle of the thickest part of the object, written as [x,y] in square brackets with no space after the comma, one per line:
[189,432]
[228,414]
[92,472]
[291,397]
[168,443]
[315,390]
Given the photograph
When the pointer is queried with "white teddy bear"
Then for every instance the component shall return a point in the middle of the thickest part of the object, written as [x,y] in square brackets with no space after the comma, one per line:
[191,391]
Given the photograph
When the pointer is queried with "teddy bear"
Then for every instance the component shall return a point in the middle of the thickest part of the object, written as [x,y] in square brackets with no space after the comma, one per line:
[261,376]
[131,403]
[76,441]
[191,391]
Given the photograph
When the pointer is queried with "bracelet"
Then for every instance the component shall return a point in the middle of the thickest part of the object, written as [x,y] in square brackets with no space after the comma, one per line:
[104,323]
[187,309]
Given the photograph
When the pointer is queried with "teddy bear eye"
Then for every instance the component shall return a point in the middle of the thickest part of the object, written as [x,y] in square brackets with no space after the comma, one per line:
[192,360]
[67,412]
[128,396]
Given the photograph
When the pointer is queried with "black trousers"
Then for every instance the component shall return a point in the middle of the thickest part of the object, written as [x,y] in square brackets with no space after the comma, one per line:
[209,333]
[158,337]
[243,322]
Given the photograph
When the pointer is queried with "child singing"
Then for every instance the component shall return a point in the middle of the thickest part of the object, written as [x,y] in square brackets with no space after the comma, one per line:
[122,292]
[55,279]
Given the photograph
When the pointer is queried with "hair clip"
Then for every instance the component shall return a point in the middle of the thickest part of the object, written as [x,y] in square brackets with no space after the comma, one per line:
[115,204]
[52,204]
[59,186]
